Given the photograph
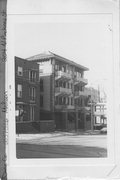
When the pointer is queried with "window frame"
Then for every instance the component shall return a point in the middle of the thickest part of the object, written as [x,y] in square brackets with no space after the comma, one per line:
[32,76]
[19,92]
[32,94]
[18,71]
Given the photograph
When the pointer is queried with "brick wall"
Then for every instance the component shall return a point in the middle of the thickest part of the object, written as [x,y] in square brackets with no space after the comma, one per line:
[26,84]
[47,126]
[28,127]
[46,92]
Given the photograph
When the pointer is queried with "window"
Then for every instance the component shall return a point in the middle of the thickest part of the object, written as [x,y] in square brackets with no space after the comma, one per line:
[19,113]
[60,84]
[68,85]
[32,93]
[81,88]
[20,71]
[64,100]
[41,71]
[32,113]
[60,100]
[56,67]
[41,101]
[64,68]
[98,120]
[77,102]
[32,76]
[71,70]
[64,84]
[41,85]
[19,91]
[71,101]
[68,101]
[60,67]
[57,100]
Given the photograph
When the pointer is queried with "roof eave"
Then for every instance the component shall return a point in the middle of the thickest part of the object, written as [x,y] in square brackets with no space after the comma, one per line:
[71,62]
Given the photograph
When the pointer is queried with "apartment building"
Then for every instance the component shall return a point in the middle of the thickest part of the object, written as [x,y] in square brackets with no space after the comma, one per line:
[100,115]
[27,94]
[98,108]
[63,100]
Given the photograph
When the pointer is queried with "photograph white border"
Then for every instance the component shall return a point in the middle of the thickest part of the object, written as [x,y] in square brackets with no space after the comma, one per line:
[80,167]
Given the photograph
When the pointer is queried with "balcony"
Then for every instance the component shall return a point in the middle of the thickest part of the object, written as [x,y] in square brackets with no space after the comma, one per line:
[64,107]
[80,93]
[100,113]
[80,80]
[60,75]
[60,91]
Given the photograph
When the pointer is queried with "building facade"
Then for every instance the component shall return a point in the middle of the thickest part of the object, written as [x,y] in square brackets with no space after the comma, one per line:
[63,100]
[98,108]
[100,115]
[27,96]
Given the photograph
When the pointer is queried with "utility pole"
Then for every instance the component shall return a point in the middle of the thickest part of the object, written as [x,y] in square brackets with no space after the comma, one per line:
[92,124]
[76,116]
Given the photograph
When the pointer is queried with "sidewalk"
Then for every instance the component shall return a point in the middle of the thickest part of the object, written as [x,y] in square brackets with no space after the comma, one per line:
[61,144]
[55,134]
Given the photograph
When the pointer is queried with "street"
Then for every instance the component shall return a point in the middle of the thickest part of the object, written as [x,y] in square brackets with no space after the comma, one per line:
[61,145]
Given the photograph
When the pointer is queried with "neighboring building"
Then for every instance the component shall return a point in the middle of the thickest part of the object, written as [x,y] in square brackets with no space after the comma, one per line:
[97,108]
[63,100]
[27,96]
[100,115]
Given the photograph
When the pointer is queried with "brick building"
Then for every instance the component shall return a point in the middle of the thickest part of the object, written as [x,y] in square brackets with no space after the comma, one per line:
[27,94]
[63,100]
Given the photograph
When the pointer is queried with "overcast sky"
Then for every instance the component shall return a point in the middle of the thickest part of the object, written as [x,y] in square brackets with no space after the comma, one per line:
[89,44]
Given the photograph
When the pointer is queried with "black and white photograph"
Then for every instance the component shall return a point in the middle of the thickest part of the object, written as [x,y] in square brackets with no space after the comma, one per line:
[60,89]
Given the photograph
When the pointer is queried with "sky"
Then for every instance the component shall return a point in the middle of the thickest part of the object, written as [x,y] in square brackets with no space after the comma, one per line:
[89,44]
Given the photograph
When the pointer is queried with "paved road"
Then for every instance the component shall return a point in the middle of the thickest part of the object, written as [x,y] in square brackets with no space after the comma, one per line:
[61,146]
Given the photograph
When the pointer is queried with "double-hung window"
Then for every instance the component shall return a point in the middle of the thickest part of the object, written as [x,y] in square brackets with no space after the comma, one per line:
[32,76]
[20,71]
[19,91]
[32,93]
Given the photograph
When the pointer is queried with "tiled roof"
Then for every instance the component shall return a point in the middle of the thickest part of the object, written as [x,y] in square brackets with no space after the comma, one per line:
[45,55]
[48,55]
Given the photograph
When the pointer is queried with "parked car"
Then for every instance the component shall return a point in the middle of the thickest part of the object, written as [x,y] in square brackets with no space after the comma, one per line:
[103,130]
